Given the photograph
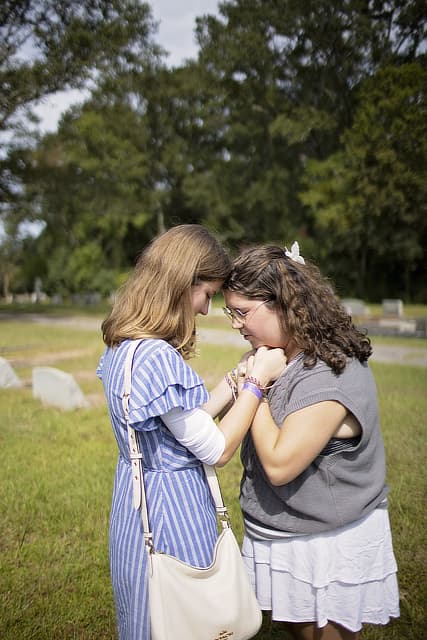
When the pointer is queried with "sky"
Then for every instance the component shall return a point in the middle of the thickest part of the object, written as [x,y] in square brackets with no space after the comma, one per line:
[175,34]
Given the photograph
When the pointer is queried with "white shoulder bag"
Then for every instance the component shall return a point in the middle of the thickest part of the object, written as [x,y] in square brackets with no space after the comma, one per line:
[186,602]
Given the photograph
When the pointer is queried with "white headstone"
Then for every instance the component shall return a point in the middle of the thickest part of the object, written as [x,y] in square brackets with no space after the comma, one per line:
[354,307]
[8,377]
[57,388]
[392,307]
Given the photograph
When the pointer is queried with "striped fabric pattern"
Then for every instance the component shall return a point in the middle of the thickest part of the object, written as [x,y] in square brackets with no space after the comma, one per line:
[180,506]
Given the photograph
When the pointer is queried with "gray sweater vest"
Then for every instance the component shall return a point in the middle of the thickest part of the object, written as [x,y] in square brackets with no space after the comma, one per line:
[335,489]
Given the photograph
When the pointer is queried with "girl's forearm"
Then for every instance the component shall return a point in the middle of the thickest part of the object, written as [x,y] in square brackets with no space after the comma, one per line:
[220,397]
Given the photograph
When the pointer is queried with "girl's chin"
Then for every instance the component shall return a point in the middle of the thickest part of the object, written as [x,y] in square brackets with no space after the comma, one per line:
[256,343]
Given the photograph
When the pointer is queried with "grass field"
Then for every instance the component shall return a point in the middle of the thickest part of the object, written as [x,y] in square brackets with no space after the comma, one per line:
[56,480]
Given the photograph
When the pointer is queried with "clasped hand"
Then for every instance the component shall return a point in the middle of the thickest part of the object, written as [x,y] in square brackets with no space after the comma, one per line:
[264,364]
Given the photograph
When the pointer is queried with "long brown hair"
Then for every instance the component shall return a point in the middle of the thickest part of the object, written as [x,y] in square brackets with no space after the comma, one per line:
[310,311]
[155,302]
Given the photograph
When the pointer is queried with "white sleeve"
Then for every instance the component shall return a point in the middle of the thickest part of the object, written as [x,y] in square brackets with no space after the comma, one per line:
[197,431]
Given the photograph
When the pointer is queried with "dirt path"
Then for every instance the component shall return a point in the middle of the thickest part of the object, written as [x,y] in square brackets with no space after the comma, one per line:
[399,354]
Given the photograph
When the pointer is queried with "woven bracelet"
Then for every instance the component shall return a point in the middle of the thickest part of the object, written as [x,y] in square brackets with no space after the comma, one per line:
[256,382]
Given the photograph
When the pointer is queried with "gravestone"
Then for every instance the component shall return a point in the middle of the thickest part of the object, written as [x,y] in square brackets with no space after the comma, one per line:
[58,388]
[421,327]
[392,308]
[354,307]
[8,377]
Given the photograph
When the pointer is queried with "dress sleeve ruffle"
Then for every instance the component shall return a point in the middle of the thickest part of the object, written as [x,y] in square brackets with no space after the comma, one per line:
[161,381]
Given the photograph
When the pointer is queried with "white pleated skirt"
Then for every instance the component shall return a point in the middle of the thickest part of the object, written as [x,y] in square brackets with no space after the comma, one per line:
[347,576]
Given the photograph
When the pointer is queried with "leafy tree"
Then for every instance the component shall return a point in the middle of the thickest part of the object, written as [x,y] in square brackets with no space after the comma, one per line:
[285,74]
[370,197]
[88,184]
[50,46]
[8,265]
[272,108]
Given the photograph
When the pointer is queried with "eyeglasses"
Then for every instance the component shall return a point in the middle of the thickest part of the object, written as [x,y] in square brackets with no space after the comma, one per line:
[241,316]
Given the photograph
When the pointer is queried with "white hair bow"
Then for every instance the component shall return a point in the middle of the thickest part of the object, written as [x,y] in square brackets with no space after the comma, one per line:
[293,254]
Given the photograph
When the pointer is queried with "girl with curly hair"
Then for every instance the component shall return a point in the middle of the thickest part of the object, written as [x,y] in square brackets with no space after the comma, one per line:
[317,538]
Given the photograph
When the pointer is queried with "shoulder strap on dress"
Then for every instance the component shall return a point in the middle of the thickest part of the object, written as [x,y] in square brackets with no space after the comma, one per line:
[139,500]
[134,451]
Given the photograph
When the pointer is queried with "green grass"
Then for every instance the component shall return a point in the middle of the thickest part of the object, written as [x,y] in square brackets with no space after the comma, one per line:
[56,310]
[56,481]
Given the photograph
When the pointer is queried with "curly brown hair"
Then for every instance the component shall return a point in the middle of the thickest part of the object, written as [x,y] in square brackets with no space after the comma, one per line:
[310,310]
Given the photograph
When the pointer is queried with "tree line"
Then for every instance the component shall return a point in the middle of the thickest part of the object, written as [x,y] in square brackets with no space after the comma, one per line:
[298,120]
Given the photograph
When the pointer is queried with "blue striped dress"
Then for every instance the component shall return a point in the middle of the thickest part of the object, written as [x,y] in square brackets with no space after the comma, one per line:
[180,506]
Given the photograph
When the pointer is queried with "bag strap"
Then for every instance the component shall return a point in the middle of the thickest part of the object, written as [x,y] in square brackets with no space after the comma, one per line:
[139,498]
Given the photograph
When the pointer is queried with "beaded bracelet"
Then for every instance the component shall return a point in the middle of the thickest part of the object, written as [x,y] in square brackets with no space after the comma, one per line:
[256,382]
[264,388]
[253,388]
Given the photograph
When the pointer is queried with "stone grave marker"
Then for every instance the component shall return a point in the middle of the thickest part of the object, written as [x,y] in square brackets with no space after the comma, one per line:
[8,377]
[58,388]
[354,307]
[392,308]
